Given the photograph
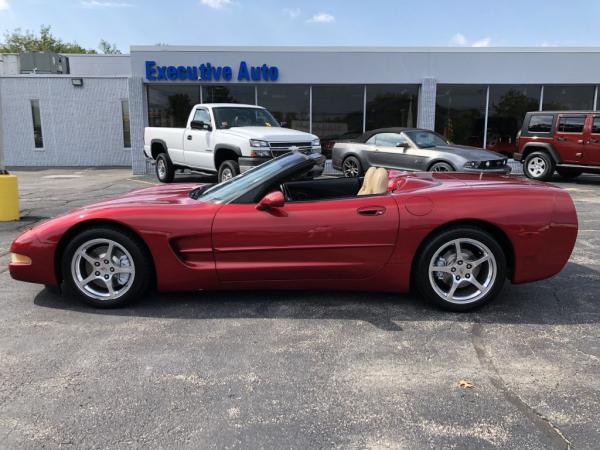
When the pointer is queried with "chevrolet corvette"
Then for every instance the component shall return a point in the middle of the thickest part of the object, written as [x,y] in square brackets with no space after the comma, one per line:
[453,237]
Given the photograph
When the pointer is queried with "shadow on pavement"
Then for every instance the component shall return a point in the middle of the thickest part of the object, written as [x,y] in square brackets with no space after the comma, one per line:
[573,297]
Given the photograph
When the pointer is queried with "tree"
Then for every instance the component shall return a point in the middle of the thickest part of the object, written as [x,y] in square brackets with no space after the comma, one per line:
[107,48]
[27,41]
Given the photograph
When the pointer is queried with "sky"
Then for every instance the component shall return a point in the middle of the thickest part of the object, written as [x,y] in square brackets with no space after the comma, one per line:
[468,23]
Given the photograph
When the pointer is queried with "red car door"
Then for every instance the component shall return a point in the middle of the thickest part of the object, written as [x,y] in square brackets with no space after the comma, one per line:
[591,153]
[568,138]
[331,239]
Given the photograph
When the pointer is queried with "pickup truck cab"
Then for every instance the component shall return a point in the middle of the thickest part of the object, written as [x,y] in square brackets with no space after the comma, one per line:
[565,141]
[223,138]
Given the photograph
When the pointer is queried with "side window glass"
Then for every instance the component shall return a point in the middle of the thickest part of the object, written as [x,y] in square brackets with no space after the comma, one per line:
[390,139]
[371,140]
[596,125]
[540,123]
[202,114]
[571,124]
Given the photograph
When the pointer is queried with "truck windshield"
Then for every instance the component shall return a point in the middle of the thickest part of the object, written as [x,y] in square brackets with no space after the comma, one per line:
[231,116]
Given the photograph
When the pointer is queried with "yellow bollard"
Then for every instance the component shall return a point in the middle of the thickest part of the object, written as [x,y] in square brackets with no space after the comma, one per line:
[9,198]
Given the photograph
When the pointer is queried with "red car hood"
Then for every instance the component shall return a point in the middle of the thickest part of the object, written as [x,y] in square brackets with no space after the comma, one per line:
[168,194]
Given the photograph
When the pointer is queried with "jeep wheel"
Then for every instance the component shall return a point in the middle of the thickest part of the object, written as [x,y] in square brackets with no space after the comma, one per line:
[228,170]
[165,171]
[538,166]
[568,173]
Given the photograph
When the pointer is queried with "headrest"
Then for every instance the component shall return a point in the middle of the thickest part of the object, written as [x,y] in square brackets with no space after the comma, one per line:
[375,182]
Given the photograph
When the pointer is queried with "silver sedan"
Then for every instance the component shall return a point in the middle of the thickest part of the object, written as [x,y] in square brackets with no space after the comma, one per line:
[412,149]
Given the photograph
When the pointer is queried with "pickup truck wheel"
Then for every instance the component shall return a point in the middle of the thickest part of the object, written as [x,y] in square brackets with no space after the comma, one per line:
[228,170]
[538,166]
[165,171]
[568,173]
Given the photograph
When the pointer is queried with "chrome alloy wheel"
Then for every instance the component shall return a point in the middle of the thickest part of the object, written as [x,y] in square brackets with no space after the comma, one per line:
[102,269]
[226,174]
[350,168]
[161,168]
[441,167]
[536,166]
[462,271]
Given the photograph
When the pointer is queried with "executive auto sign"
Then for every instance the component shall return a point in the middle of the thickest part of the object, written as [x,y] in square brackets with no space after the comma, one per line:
[208,72]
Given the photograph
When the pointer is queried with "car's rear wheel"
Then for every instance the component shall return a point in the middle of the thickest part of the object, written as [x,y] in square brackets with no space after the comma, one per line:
[351,167]
[538,166]
[228,170]
[568,173]
[106,267]
[460,268]
[165,171]
[441,167]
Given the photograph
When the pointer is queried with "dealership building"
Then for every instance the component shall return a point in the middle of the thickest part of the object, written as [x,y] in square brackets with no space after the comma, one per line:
[93,112]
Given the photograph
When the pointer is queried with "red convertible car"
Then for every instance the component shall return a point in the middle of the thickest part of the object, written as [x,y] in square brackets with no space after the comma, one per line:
[453,237]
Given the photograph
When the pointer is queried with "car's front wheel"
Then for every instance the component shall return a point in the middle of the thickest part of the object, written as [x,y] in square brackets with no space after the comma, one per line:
[460,268]
[228,170]
[538,166]
[351,167]
[441,167]
[106,267]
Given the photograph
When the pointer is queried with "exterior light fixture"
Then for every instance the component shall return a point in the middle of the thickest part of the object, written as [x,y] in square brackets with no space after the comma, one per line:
[77,82]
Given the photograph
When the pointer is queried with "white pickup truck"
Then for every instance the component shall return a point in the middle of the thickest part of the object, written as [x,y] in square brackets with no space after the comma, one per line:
[223,138]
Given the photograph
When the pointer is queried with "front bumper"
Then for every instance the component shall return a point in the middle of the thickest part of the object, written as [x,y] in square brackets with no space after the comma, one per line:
[246,163]
[501,170]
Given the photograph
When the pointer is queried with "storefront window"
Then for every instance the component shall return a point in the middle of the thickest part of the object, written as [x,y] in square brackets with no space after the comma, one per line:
[126,127]
[460,113]
[38,138]
[507,108]
[229,94]
[287,103]
[170,106]
[337,111]
[568,98]
[391,106]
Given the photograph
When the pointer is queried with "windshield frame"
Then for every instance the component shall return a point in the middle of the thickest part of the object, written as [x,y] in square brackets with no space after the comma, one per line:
[416,145]
[245,192]
[271,120]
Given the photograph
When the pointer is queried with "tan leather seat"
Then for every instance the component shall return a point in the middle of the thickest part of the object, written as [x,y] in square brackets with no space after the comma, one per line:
[375,182]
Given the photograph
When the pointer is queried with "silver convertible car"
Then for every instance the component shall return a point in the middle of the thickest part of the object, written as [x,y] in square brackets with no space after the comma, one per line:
[412,149]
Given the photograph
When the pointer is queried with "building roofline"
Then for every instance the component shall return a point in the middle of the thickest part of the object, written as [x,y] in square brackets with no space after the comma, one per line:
[343,49]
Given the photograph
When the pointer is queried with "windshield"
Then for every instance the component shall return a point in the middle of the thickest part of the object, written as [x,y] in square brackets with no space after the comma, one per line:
[424,139]
[227,117]
[239,185]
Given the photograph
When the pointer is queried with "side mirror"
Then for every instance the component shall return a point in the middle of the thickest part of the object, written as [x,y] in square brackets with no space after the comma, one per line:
[272,200]
[200,125]
[403,145]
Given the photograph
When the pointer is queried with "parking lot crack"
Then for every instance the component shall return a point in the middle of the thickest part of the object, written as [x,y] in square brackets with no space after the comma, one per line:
[550,430]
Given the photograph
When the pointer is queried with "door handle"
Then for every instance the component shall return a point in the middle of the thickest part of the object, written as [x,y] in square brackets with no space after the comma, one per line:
[189,137]
[371,211]
[561,139]
[580,141]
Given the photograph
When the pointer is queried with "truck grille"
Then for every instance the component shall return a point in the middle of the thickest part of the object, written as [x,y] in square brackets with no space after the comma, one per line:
[279,148]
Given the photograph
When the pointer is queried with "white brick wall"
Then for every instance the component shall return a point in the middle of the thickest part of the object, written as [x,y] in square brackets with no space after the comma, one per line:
[80,126]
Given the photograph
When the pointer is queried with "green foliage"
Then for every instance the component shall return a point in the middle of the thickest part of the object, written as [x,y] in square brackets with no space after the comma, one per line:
[107,48]
[19,41]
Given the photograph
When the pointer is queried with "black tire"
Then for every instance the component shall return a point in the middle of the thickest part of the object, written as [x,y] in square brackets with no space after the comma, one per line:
[568,173]
[351,167]
[431,287]
[441,166]
[165,170]
[141,275]
[538,166]
[228,169]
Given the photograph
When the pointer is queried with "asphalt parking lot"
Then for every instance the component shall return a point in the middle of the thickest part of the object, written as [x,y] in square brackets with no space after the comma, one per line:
[297,369]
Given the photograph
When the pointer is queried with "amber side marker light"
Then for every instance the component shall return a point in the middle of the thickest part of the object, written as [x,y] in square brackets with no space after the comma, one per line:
[23,260]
